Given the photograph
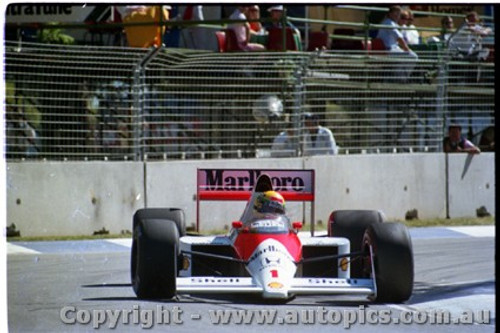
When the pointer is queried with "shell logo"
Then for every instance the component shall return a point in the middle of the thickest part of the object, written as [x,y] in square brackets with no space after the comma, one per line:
[275,285]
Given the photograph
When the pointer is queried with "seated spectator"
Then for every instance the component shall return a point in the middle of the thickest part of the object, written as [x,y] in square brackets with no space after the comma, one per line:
[253,13]
[412,36]
[318,140]
[146,35]
[394,42]
[276,15]
[475,26]
[242,30]
[194,37]
[456,143]
[447,28]
[467,42]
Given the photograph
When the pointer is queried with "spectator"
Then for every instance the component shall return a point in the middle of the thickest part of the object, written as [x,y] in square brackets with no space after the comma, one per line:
[21,136]
[254,14]
[283,145]
[412,36]
[194,37]
[146,35]
[467,42]
[487,141]
[318,140]
[242,30]
[456,143]
[394,42]
[276,15]
[475,26]
[447,28]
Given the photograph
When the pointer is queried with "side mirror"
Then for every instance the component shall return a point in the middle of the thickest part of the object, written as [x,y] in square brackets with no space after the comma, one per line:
[237,224]
[297,225]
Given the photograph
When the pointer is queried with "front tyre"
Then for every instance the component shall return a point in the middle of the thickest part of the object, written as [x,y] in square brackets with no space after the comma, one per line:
[173,214]
[155,248]
[392,261]
[351,224]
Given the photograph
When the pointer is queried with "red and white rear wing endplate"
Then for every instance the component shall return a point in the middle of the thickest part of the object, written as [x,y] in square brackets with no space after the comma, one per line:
[238,184]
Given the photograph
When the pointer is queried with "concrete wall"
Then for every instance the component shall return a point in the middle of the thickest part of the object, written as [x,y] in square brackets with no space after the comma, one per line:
[471,184]
[70,198]
[394,184]
[74,198]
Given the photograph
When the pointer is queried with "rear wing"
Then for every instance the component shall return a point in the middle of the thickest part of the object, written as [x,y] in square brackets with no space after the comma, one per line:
[238,185]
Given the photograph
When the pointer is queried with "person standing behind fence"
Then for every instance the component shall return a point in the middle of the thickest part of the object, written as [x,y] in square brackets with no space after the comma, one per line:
[456,143]
[283,145]
[318,140]
[394,42]
[242,30]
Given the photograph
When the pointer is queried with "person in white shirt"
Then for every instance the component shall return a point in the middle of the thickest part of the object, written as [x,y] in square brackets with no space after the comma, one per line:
[475,26]
[467,42]
[283,145]
[395,43]
[318,140]
[411,35]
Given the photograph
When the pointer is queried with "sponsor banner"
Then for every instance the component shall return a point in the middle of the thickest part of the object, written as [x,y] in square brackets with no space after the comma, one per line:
[244,180]
[43,13]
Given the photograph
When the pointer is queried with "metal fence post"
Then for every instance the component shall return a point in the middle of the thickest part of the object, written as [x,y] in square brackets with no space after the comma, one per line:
[138,104]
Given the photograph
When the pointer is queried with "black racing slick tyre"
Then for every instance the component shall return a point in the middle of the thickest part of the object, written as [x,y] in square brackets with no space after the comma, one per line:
[351,224]
[392,261]
[173,214]
[155,249]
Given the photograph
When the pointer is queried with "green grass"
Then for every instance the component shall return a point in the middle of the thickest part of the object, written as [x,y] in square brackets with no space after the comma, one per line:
[460,221]
[463,221]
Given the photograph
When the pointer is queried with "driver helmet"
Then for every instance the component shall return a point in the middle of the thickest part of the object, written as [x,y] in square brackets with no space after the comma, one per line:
[270,202]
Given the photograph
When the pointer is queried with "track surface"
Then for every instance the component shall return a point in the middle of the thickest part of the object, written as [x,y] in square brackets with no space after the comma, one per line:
[454,272]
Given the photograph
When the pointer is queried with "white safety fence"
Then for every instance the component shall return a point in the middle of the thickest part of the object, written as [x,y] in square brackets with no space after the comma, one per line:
[106,103]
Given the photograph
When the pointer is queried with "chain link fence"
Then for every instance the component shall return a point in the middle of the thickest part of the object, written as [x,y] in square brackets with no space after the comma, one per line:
[106,103]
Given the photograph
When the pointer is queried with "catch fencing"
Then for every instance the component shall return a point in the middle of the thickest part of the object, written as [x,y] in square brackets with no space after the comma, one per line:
[110,103]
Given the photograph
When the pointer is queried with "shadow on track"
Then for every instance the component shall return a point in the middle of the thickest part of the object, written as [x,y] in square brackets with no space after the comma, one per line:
[425,292]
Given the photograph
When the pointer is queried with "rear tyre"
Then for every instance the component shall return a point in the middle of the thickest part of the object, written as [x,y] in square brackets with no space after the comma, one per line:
[352,224]
[155,249]
[173,214]
[392,261]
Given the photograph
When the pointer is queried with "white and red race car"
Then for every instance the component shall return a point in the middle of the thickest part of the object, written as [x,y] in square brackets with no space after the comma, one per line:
[263,254]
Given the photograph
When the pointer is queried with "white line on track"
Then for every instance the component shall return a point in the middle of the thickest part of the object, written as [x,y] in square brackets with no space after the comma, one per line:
[127,242]
[476,231]
[16,249]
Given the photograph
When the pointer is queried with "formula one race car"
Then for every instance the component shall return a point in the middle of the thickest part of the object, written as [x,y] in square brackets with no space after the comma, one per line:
[263,253]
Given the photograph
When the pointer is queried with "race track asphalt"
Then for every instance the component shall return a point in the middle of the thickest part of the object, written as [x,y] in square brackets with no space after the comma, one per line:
[81,280]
